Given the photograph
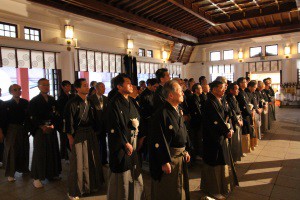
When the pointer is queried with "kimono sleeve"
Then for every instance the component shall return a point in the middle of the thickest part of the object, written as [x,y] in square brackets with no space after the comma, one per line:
[68,118]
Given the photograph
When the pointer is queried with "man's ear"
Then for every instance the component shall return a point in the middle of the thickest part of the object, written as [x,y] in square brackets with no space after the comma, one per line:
[119,87]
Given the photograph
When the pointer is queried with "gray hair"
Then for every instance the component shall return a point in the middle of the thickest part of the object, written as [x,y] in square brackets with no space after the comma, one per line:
[169,87]
[260,84]
[221,79]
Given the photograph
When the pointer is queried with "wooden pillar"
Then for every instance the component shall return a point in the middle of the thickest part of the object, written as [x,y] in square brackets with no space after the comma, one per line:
[23,81]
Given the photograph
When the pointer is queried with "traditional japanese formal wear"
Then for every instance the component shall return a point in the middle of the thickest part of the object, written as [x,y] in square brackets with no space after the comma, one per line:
[257,119]
[271,107]
[215,174]
[247,129]
[64,143]
[101,103]
[86,174]
[1,142]
[203,98]
[158,98]
[262,97]
[46,161]
[196,123]
[125,180]
[169,142]
[16,136]
[236,140]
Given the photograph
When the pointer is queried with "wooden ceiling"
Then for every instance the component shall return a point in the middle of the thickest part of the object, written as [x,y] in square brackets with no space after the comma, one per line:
[192,22]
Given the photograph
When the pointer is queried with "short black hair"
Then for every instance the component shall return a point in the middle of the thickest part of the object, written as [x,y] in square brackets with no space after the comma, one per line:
[201,78]
[195,86]
[240,80]
[248,78]
[141,82]
[65,83]
[119,80]
[151,81]
[252,83]
[215,84]
[78,82]
[42,79]
[231,86]
[92,83]
[160,73]
[190,81]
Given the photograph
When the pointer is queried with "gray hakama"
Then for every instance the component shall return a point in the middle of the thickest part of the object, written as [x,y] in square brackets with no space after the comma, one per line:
[86,174]
[173,186]
[46,161]
[236,144]
[264,120]
[16,152]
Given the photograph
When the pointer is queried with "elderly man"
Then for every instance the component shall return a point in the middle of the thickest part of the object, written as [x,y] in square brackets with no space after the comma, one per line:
[215,179]
[125,181]
[16,151]
[263,104]
[168,143]
[43,114]
[100,102]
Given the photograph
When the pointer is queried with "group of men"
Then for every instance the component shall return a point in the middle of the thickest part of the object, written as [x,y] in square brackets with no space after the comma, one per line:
[169,124]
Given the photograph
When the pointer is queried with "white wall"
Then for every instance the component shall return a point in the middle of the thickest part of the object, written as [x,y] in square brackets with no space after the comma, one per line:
[91,34]
[199,63]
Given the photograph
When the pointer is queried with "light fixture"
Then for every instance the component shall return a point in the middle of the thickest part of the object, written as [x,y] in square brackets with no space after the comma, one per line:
[164,55]
[287,51]
[129,43]
[69,32]
[241,55]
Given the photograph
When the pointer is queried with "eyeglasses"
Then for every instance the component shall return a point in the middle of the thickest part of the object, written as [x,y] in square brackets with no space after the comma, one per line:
[17,89]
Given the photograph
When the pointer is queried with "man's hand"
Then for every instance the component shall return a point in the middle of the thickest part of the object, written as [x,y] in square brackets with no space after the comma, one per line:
[47,129]
[129,149]
[187,157]
[166,168]
[259,111]
[240,123]
[229,135]
[71,140]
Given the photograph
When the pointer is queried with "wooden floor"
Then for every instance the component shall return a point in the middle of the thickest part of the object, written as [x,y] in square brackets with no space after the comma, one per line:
[272,171]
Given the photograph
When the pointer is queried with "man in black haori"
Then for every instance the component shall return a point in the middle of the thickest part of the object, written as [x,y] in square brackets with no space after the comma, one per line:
[263,104]
[168,147]
[16,152]
[43,114]
[85,174]
[271,101]
[162,76]
[196,119]
[1,135]
[62,100]
[215,180]
[246,109]
[125,180]
[237,122]
[100,102]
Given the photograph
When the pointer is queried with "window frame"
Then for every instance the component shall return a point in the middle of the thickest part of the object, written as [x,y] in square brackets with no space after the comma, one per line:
[269,46]
[9,24]
[214,52]
[35,29]
[232,54]
[298,46]
[151,53]
[252,48]
[144,52]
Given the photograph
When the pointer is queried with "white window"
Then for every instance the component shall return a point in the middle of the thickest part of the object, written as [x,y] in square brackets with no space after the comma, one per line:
[255,52]
[222,70]
[272,50]
[227,54]
[32,34]
[215,56]
[8,30]
[8,77]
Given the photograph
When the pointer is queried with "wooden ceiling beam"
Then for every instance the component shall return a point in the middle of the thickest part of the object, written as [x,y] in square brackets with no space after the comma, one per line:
[159,12]
[251,33]
[155,8]
[188,7]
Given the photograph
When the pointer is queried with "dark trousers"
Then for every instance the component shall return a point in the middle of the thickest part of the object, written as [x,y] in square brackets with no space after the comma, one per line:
[1,151]
[64,145]
[103,147]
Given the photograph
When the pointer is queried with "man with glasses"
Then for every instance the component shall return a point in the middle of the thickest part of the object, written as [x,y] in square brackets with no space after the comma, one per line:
[46,163]
[16,151]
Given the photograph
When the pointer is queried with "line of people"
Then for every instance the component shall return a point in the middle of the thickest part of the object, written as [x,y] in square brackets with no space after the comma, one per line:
[168,124]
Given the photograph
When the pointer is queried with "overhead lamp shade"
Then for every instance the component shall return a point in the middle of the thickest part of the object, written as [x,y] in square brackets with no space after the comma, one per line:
[69,32]
[241,54]
[130,44]
[164,55]
[287,50]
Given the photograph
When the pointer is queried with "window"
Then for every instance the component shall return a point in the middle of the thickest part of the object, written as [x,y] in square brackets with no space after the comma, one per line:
[104,77]
[141,52]
[150,53]
[34,75]
[8,77]
[32,34]
[221,70]
[298,47]
[255,52]
[272,50]
[8,30]
[215,55]
[227,54]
